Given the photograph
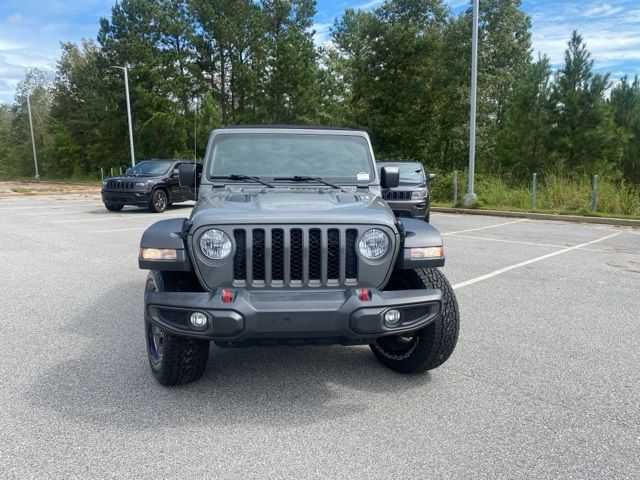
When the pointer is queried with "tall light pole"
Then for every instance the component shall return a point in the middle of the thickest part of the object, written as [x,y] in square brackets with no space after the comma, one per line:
[33,139]
[126,88]
[470,197]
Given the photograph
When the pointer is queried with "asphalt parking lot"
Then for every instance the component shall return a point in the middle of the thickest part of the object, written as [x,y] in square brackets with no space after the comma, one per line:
[544,383]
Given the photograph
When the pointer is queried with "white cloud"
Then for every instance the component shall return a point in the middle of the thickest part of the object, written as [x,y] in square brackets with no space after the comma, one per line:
[602,10]
[322,33]
[610,30]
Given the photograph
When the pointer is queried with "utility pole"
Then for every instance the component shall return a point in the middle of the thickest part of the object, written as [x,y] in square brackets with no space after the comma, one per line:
[470,198]
[126,88]
[33,139]
[195,132]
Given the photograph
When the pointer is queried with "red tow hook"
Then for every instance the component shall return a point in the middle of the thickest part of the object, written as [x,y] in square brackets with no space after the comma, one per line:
[364,294]
[227,295]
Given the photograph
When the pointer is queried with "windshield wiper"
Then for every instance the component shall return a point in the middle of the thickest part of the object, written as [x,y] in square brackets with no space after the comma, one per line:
[243,177]
[304,178]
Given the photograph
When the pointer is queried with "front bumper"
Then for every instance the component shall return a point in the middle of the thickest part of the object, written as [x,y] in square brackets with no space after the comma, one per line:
[409,208]
[292,317]
[140,197]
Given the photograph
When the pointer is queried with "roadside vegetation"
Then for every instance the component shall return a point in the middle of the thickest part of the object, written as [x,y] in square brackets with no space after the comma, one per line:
[399,71]
[555,193]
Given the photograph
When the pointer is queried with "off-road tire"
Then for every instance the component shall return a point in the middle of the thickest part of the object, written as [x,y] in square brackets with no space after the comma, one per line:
[113,207]
[159,201]
[183,359]
[432,345]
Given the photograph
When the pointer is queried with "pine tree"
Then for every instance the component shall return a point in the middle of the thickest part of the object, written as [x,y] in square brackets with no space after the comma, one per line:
[584,135]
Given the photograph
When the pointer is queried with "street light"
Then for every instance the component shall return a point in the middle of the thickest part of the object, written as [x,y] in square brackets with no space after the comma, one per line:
[470,197]
[126,88]
[33,140]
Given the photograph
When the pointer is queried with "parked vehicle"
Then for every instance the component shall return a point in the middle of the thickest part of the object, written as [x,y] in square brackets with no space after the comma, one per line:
[411,198]
[152,183]
[291,243]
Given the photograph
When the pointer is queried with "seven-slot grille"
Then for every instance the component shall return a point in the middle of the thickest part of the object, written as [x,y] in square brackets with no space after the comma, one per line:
[396,195]
[111,185]
[295,256]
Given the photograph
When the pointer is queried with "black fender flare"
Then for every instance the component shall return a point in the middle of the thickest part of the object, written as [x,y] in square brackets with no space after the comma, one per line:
[419,234]
[166,234]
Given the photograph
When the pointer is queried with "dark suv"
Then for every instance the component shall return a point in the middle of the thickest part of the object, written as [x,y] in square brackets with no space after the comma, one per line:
[411,198]
[153,184]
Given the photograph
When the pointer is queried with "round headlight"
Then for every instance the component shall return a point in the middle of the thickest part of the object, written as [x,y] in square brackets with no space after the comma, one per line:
[374,244]
[215,244]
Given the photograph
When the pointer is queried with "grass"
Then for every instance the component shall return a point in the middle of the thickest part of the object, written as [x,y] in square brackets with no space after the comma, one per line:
[555,194]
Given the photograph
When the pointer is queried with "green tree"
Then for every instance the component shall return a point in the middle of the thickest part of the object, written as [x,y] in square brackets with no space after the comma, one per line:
[392,56]
[523,138]
[290,80]
[584,134]
[625,102]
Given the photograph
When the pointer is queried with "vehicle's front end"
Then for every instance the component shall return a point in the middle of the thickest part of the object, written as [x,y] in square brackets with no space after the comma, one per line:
[126,190]
[411,198]
[270,260]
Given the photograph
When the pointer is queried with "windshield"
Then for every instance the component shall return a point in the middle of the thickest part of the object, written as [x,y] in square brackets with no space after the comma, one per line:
[341,158]
[151,168]
[409,172]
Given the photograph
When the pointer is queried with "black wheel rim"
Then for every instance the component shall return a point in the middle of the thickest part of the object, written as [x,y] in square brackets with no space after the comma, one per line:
[397,344]
[161,200]
[155,341]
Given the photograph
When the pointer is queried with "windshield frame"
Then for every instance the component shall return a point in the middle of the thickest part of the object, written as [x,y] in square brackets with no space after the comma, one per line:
[308,132]
[169,164]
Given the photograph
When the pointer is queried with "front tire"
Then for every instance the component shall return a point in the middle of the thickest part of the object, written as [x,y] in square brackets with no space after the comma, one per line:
[159,201]
[174,360]
[431,346]
[112,207]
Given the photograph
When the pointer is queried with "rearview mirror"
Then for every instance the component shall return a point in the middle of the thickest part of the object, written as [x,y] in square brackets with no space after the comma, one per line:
[389,177]
[431,177]
[187,175]
[129,170]
[174,172]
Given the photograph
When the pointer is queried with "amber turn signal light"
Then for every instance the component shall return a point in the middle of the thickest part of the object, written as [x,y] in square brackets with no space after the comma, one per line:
[158,253]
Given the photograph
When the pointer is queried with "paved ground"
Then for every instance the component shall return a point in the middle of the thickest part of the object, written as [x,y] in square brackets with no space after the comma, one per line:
[545,382]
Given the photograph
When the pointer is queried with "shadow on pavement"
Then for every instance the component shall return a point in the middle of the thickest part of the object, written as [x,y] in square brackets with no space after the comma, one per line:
[108,382]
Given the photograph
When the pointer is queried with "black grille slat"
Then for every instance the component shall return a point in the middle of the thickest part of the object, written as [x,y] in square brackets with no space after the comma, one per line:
[277,254]
[351,258]
[333,254]
[396,195]
[296,254]
[258,255]
[240,258]
[315,254]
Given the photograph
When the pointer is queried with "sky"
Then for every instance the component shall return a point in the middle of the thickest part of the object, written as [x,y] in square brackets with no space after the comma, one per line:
[31,30]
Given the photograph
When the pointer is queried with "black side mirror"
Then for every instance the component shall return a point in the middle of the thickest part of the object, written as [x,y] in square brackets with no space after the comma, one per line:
[389,177]
[187,176]
[175,172]
[129,170]
[431,177]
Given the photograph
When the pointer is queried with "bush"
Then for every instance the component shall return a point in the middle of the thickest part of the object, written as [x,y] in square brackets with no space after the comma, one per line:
[556,192]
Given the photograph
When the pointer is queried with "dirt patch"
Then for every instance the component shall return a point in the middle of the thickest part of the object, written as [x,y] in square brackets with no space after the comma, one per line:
[32,187]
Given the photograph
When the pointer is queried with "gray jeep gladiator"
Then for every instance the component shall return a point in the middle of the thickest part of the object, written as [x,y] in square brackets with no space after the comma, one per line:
[291,243]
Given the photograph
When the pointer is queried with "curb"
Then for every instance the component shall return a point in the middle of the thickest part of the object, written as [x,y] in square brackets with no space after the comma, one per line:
[541,216]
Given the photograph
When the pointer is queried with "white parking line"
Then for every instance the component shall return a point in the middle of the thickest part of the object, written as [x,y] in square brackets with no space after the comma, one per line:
[123,217]
[6,208]
[484,228]
[53,212]
[120,229]
[508,241]
[533,260]
[501,240]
